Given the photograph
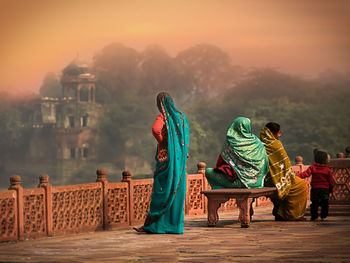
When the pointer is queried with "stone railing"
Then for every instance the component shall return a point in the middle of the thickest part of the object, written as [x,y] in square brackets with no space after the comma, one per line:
[57,210]
[341,171]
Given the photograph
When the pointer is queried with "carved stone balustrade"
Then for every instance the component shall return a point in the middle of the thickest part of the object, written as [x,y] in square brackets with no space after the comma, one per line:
[58,210]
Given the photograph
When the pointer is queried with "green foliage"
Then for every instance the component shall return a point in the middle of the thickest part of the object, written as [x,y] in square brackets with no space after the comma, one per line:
[10,131]
[123,131]
[208,89]
[51,86]
[312,113]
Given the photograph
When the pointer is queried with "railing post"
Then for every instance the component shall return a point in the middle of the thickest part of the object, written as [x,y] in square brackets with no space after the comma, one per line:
[201,167]
[44,183]
[126,176]
[101,177]
[201,170]
[127,179]
[299,163]
[15,181]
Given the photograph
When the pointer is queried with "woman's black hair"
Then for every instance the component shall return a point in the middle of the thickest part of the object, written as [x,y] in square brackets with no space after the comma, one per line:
[321,157]
[273,127]
[160,98]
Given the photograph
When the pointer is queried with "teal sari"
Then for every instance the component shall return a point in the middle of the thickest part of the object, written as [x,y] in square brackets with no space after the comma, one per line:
[166,213]
[246,154]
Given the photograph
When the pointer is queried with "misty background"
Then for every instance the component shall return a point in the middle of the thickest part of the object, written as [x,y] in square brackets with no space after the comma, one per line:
[285,61]
[205,84]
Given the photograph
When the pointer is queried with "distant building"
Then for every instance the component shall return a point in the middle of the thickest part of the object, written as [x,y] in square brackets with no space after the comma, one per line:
[65,132]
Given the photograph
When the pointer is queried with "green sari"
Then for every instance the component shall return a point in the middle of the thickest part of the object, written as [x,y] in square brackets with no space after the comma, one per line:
[246,154]
[166,213]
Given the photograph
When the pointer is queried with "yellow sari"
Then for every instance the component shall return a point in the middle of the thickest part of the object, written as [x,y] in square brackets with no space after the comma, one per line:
[292,190]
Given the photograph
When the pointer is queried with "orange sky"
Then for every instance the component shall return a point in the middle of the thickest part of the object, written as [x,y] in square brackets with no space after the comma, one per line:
[297,36]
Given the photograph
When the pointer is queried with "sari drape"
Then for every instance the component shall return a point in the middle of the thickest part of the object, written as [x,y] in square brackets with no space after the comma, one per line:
[246,154]
[292,191]
[166,213]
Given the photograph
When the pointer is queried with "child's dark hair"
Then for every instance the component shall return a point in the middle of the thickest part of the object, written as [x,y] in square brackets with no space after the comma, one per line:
[273,127]
[321,157]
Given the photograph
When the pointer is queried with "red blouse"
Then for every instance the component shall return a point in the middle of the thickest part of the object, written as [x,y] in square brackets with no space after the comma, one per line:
[157,128]
[160,132]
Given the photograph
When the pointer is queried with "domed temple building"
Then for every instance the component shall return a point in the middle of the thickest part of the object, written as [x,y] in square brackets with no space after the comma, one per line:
[65,128]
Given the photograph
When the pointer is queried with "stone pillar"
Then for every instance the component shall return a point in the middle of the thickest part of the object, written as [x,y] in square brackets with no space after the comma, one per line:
[15,181]
[93,99]
[126,176]
[101,177]
[78,93]
[89,95]
[299,164]
[127,179]
[298,160]
[201,170]
[44,183]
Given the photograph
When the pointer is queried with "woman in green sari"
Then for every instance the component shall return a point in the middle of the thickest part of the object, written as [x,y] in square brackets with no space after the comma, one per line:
[171,130]
[243,161]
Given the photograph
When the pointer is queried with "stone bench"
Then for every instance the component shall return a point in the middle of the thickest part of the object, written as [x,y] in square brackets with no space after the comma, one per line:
[243,199]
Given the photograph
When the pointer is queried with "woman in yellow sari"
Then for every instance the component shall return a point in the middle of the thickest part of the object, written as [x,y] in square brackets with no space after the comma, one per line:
[290,203]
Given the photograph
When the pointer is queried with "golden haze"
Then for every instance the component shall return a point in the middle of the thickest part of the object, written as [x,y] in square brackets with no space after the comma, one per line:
[299,37]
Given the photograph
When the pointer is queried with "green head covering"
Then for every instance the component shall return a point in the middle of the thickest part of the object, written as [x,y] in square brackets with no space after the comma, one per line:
[245,153]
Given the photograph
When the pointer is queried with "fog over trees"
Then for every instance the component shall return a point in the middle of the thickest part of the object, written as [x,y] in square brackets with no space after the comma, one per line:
[208,87]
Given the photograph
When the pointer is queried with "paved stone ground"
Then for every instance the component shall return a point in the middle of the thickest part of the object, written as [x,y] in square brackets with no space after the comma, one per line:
[264,241]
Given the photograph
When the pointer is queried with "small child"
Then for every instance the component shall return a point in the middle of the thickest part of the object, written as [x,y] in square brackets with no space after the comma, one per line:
[322,184]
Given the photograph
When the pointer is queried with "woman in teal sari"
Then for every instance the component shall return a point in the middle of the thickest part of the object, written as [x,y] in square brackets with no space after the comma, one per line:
[243,162]
[171,130]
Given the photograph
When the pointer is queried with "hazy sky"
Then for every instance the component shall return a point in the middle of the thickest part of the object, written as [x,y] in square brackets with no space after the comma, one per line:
[296,36]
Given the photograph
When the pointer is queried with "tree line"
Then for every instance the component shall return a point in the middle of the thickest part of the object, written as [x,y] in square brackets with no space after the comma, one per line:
[209,88]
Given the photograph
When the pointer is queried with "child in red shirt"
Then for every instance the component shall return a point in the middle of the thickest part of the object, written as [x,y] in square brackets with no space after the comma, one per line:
[322,184]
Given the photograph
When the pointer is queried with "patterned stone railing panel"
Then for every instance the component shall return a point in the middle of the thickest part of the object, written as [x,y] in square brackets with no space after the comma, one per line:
[140,199]
[117,207]
[34,213]
[195,203]
[228,206]
[47,210]
[341,172]
[77,208]
[262,201]
[8,215]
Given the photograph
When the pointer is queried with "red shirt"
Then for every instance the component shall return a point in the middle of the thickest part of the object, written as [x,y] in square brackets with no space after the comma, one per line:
[157,128]
[322,176]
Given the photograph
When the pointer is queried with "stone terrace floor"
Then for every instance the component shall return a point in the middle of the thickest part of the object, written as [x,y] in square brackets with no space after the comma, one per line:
[264,241]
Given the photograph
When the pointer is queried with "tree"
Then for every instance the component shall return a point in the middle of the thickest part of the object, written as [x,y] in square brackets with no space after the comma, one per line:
[51,86]
[116,68]
[210,68]
[10,131]
[160,72]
